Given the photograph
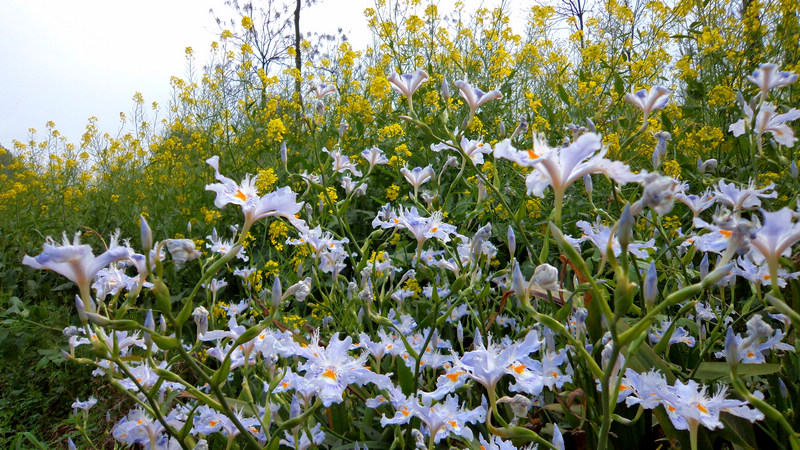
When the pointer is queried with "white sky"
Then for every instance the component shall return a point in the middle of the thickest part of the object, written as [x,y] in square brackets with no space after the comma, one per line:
[67,60]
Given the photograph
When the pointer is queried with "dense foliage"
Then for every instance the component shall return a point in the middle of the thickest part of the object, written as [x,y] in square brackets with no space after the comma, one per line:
[393,257]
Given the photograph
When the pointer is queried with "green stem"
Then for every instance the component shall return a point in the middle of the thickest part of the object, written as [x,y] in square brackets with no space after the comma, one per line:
[766,408]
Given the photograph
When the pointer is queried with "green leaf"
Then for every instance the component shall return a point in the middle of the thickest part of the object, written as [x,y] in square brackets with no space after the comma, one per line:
[646,359]
[619,85]
[737,430]
[341,418]
[404,377]
[17,307]
[562,94]
[665,122]
[716,370]
[63,286]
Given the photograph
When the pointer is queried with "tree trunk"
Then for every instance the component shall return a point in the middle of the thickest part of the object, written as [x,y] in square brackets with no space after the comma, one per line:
[297,59]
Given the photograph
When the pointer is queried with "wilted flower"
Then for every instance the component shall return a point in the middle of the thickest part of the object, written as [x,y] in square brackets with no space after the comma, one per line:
[662,137]
[546,276]
[182,250]
[300,290]
[576,130]
[710,163]
[200,316]
[521,128]
[659,194]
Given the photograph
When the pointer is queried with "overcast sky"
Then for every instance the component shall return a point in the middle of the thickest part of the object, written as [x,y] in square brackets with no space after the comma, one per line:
[67,60]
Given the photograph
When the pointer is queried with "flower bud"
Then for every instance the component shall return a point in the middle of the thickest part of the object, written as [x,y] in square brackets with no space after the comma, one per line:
[512,240]
[81,309]
[587,184]
[591,126]
[146,233]
[782,389]
[284,156]
[793,169]
[445,90]
[625,227]
[518,282]
[704,266]
[150,324]
[731,349]
[656,158]
[659,194]
[98,319]
[558,438]
[720,273]
[277,293]
[650,290]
